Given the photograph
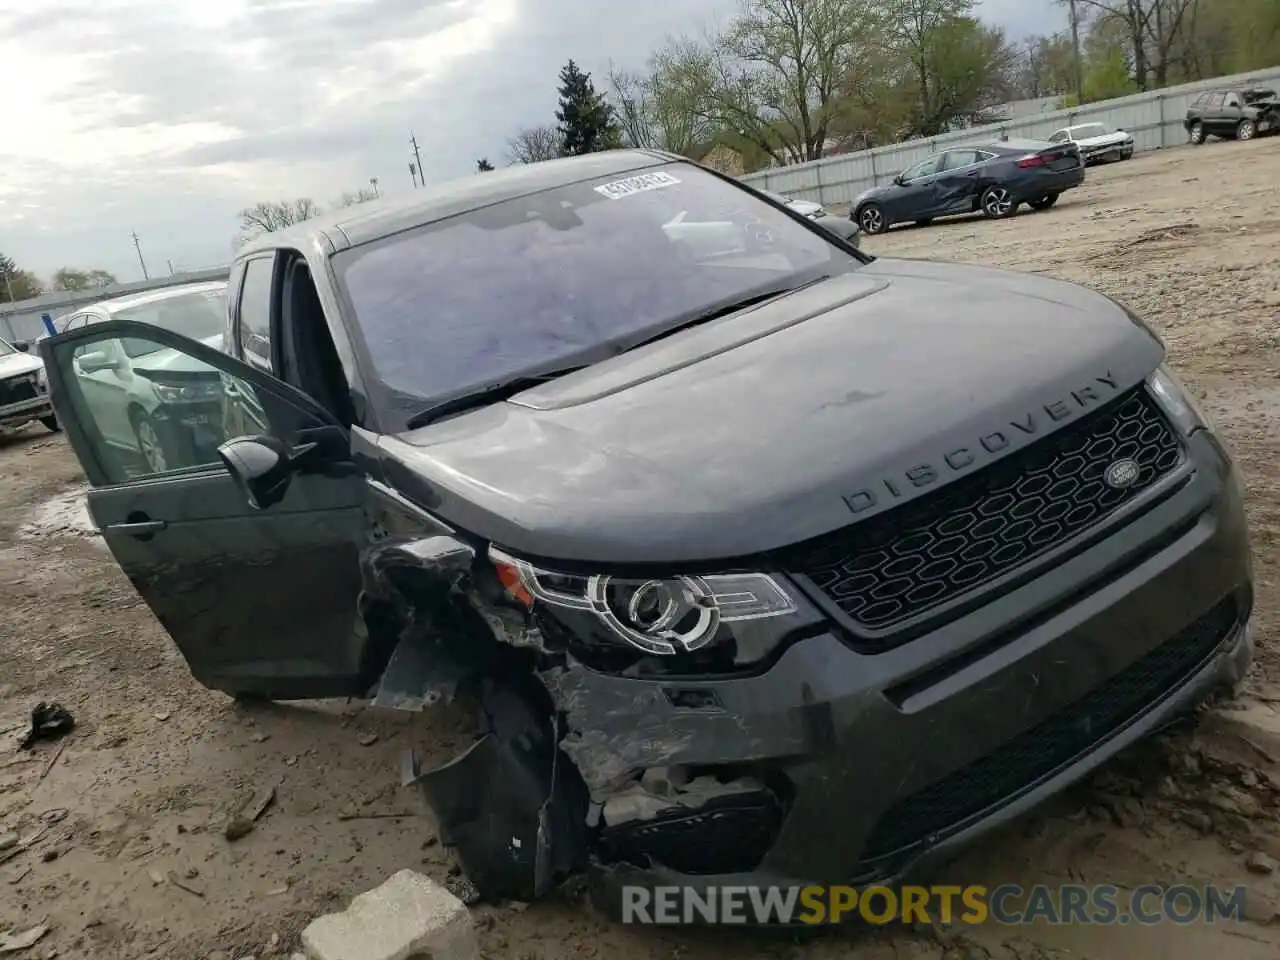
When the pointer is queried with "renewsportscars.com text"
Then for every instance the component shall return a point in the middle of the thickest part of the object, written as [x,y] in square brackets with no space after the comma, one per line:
[1009,904]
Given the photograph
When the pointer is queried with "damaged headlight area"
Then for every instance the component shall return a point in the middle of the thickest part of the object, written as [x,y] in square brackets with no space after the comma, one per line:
[711,620]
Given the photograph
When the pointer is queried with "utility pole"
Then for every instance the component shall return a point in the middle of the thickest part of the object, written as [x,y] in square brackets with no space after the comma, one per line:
[137,245]
[1075,46]
[413,142]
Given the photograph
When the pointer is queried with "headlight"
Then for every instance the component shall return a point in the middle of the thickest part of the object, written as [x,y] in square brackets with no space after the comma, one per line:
[663,616]
[174,394]
[1176,400]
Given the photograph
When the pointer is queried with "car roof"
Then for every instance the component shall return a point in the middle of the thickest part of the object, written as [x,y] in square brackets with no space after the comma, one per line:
[155,296]
[376,219]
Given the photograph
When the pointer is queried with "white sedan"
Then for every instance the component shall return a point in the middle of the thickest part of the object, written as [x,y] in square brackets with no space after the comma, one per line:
[1096,142]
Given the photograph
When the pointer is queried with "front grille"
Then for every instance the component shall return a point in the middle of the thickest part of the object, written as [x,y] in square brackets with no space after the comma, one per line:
[1039,752]
[17,390]
[916,557]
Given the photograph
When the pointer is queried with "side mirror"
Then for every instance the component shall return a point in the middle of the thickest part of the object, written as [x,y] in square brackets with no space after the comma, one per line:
[22,346]
[900,180]
[95,360]
[262,467]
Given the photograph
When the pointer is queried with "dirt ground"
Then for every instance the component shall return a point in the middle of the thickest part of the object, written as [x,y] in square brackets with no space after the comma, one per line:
[1188,237]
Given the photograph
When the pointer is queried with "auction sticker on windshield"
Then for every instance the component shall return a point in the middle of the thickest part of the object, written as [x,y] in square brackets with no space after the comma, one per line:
[638,184]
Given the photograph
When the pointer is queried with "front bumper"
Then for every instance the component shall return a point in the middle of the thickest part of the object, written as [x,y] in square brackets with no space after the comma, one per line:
[880,765]
[25,411]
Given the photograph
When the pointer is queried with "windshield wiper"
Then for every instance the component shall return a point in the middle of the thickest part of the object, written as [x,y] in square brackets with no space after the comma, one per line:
[724,309]
[483,396]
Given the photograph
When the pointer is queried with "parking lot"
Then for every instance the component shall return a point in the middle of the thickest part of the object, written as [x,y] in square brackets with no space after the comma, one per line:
[1186,237]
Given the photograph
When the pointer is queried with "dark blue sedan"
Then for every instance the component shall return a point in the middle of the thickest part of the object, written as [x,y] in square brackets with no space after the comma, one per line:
[993,179]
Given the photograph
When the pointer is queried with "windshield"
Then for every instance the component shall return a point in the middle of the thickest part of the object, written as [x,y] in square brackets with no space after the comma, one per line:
[200,316]
[6,349]
[1088,130]
[565,276]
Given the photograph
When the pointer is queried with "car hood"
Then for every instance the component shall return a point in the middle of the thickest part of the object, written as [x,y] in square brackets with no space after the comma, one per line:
[804,207]
[176,363]
[16,364]
[1116,136]
[770,427]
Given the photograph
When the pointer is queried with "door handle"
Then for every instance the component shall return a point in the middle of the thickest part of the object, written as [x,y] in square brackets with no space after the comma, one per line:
[140,528]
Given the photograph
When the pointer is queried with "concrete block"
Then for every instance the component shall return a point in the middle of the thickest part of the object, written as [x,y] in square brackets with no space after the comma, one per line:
[410,917]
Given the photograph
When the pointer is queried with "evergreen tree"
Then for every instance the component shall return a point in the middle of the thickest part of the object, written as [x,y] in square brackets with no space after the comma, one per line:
[586,122]
[483,165]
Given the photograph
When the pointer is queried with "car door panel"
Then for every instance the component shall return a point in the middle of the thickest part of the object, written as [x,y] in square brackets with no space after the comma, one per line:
[226,582]
[916,198]
[258,601]
[957,184]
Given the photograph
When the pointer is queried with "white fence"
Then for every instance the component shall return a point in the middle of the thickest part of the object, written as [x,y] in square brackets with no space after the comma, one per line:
[1155,119]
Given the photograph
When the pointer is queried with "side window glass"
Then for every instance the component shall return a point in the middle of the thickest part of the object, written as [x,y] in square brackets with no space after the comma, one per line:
[151,409]
[960,158]
[924,168]
[255,312]
[1214,102]
[1233,100]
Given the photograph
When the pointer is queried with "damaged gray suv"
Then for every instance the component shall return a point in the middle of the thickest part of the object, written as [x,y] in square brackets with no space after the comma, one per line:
[764,561]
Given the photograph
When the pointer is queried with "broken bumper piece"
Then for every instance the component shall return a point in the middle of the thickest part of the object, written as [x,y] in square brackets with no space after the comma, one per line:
[516,824]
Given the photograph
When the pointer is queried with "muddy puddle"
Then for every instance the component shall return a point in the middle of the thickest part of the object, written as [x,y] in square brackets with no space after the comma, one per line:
[66,515]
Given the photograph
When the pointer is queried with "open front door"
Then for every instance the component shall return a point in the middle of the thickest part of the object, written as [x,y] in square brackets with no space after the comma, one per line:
[260,601]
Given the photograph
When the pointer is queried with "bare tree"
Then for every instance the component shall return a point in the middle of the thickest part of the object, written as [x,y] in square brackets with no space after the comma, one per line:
[532,144]
[351,199]
[654,112]
[1154,29]
[269,217]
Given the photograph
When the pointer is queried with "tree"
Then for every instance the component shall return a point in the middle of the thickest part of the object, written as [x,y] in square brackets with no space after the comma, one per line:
[585,119]
[1108,65]
[955,66]
[1047,67]
[72,279]
[483,165]
[16,283]
[1154,31]
[533,144]
[652,112]
[350,200]
[270,217]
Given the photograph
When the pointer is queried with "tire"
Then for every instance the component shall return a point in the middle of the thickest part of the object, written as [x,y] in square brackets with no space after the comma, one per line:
[1246,130]
[1043,203]
[51,424]
[151,443]
[997,203]
[1196,133]
[871,218]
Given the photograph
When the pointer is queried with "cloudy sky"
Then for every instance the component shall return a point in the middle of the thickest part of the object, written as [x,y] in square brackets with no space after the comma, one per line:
[167,116]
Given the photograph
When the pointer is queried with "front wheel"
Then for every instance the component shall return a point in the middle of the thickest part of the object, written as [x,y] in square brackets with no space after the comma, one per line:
[1247,130]
[51,423]
[1043,203]
[997,203]
[871,219]
[1196,133]
[151,445]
